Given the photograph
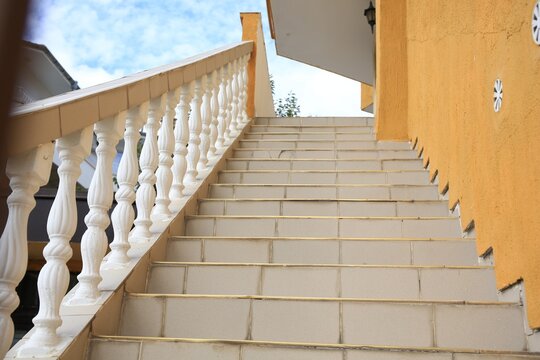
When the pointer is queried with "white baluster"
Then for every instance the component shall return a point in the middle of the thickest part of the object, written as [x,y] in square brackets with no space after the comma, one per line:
[206,117]
[181,135]
[215,111]
[194,134]
[123,214]
[100,195]
[166,146]
[243,89]
[53,279]
[228,89]
[234,126]
[26,173]
[222,114]
[148,162]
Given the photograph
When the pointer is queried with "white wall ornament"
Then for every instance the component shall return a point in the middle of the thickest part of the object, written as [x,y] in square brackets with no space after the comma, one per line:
[536,23]
[497,95]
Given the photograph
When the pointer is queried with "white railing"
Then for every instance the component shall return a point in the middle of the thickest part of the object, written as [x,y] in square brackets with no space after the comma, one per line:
[188,111]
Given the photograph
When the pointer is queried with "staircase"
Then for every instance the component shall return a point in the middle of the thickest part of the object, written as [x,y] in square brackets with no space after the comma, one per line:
[318,242]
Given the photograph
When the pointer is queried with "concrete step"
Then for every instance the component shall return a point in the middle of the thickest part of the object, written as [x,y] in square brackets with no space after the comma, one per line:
[316,250]
[138,348]
[322,207]
[309,191]
[312,136]
[324,144]
[401,177]
[403,282]
[444,324]
[364,129]
[322,226]
[311,121]
[310,164]
[320,154]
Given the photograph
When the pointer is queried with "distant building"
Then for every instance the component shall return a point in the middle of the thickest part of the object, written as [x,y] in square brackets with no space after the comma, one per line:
[41,75]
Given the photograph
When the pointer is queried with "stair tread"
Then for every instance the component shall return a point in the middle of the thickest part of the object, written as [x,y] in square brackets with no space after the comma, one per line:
[292,265]
[179,237]
[318,346]
[327,299]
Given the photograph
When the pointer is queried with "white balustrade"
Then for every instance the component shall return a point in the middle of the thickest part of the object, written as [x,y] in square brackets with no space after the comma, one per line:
[206,117]
[181,136]
[197,120]
[195,126]
[165,146]
[53,279]
[148,162]
[123,214]
[243,88]
[27,173]
[234,100]
[222,115]
[228,89]
[100,195]
[215,111]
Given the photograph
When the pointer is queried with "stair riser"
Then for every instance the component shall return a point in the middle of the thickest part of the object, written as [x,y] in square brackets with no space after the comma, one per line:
[325,154]
[323,227]
[428,192]
[311,129]
[397,324]
[324,145]
[347,282]
[412,164]
[329,121]
[311,136]
[402,178]
[151,350]
[302,251]
[323,208]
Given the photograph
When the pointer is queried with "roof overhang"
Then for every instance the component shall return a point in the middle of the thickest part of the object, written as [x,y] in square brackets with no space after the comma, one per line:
[331,35]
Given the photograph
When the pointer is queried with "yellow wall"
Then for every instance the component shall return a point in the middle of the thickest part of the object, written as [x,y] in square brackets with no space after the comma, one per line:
[391,70]
[366,95]
[491,161]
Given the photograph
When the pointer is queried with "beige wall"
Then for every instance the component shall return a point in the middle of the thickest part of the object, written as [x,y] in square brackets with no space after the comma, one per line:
[491,161]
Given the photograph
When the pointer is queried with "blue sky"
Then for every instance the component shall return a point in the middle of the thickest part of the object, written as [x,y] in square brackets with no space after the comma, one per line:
[100,40]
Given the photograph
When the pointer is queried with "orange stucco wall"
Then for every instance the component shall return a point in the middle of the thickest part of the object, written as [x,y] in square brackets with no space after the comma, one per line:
[491,161]
[391,70]
[366,95]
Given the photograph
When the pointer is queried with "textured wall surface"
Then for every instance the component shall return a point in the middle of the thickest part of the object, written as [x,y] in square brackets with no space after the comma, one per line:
[391,70]
[491,161]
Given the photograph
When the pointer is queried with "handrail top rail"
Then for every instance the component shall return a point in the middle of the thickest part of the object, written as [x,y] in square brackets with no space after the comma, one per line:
[48,119]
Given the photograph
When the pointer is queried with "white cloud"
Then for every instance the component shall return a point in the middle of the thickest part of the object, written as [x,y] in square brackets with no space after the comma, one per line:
[99,40]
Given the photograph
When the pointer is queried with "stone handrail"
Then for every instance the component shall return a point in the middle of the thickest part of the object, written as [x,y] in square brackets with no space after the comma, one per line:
[189,112]
[52,118]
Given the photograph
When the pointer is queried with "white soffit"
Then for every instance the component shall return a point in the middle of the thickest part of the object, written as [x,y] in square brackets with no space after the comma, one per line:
[329,34]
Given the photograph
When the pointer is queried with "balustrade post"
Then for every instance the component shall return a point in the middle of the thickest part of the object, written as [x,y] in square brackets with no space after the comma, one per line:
[123,214]
[181,136]
[234,125]
[194,152]
[222,113]
[214,103]
[26,173]
[100,195]
[53,280]
[228,89]
[166,146]
[148,162]
[206,117]
[243,89]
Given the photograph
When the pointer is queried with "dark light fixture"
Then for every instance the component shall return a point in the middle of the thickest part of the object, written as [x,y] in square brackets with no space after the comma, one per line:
[369,13]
